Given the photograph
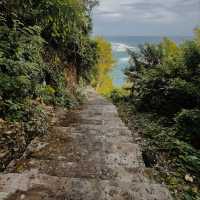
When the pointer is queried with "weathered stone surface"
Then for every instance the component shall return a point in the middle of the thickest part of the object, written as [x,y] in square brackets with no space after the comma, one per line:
[88,154]
[15,136]
[12,142]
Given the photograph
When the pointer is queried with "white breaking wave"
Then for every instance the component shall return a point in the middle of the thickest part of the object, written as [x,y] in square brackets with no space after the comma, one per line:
[120,47]
[125,59]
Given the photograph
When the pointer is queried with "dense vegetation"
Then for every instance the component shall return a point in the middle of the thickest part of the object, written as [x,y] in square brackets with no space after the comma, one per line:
[43,43]
[46,53]
[101,77]
[164,101]
[166,81]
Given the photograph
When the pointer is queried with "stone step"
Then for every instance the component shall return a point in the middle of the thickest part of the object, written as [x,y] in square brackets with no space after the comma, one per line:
[34,186]
[88,154]
[81,169]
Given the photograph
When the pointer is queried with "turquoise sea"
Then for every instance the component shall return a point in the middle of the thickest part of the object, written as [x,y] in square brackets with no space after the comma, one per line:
[120,45]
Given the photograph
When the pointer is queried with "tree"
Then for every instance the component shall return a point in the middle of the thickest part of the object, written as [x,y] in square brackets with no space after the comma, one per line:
[197,35]
[165,77]
[90,4]
[102,80]
[43,43]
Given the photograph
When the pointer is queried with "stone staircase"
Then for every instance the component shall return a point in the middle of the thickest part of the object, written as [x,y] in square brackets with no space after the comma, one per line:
[89,154]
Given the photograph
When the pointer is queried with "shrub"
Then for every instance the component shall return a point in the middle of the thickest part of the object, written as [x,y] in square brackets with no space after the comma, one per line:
[46,93]
[171,82]
[101,77]
[21,64]
[118,94]
[166,85]
[65,26]
[188,126]
[21,67]
[35,120]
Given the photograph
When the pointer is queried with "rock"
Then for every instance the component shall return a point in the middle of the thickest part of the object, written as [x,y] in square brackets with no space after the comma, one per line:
[9,132]
[189,178]
[22,197]
[138,139]
[2,121]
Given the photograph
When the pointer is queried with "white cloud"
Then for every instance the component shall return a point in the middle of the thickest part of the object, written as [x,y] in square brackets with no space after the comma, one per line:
[167,11]
[146,12]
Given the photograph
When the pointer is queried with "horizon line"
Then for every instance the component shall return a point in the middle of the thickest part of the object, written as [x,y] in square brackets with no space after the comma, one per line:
[142,35]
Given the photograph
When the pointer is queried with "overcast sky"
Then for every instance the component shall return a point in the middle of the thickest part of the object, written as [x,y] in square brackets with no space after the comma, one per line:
[146,17]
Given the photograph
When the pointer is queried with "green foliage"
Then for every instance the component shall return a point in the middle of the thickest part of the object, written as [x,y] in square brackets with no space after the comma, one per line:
[34,119]
[21,64]
[21,68]
[166,77]
[175,157]
[45,50]
[101,78]
[46,93]
[166,85]
[188,126]
[11,110]
[38,41]
[118,95]
[65,24]
[87,58]
[191,55]
[197,36]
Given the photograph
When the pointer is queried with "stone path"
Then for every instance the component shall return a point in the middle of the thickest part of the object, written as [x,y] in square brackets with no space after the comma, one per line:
[87,155]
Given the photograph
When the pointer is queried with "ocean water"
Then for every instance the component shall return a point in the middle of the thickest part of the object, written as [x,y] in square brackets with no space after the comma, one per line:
[119,48]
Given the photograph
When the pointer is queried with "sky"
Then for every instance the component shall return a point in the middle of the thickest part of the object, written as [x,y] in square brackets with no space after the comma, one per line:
[146,17]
